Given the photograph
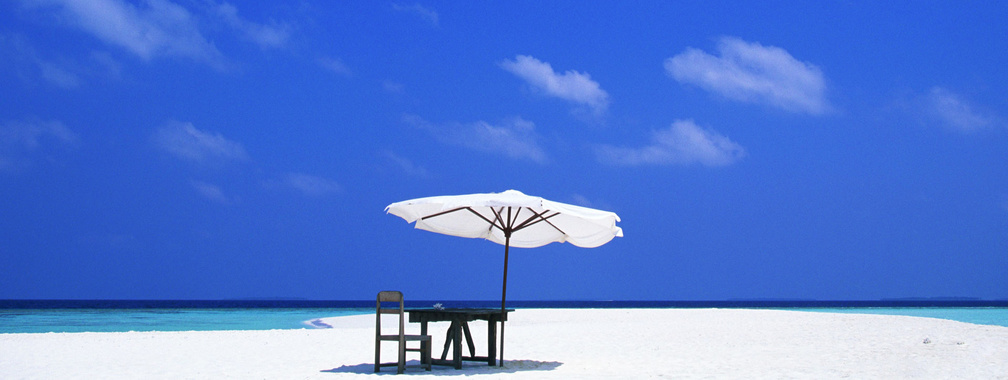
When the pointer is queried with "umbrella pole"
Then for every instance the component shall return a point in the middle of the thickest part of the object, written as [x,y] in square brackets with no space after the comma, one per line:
[507,244]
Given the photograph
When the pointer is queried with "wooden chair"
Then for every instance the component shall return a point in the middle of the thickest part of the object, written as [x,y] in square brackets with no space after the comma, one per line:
[401,337]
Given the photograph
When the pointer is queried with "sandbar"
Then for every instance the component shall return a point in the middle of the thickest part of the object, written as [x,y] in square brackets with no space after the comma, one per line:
[546,344]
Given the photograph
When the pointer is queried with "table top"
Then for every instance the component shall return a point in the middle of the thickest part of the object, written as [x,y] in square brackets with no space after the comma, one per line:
[449,314]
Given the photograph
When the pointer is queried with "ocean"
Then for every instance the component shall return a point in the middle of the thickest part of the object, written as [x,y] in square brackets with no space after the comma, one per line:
[43,316]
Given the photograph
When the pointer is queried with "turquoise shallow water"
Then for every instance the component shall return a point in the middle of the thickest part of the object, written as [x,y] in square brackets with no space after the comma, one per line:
[978,315]
[203,319]
[120,320]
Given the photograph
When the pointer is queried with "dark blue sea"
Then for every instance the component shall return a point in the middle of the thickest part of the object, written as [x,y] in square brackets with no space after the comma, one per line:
[41,316]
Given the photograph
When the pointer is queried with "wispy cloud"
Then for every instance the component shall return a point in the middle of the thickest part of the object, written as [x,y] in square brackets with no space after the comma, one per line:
[155,28]
[266,36]
[210,191]
[30,65]
[186,142]
[419,10]
[310,185]
[335,65]
[683,143]
[404,164]
[515,138]
[954,112]
[750,72]
[161,28]
[21,140]
[571,86]
[393,87]
[58,75]
[583,201]
[32,133]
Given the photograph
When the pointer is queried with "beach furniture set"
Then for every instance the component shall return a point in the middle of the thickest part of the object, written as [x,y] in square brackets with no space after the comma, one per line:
[509,218]
[391,302]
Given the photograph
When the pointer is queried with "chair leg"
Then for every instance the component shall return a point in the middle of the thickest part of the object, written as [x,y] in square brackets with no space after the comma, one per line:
[377,355]
[402,356]
[426,345]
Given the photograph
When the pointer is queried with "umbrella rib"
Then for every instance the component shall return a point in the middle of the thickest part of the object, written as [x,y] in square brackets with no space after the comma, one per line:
[528,222]
[538,217]
[553,225]
[492,223]
[505,227]
[445,212]
[499,223]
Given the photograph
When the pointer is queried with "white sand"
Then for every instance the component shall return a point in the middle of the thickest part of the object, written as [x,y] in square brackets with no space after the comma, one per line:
[548,344]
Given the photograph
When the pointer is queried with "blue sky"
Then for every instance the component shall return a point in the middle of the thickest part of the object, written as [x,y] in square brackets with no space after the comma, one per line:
[205,150]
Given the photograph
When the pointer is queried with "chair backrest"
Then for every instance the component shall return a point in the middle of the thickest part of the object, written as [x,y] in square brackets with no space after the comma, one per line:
[390,296]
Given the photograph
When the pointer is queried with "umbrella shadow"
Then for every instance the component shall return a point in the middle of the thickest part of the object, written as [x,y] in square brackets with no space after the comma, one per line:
[413,367]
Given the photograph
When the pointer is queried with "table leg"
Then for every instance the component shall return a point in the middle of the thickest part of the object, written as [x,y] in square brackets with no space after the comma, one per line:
[468,336]
[449,338]
[492,342]
[457,340]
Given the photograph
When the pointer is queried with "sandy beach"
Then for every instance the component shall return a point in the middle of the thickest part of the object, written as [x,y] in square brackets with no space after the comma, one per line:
[547,344]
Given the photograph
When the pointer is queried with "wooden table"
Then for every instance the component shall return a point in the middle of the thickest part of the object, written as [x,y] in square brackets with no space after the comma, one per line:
[459,319]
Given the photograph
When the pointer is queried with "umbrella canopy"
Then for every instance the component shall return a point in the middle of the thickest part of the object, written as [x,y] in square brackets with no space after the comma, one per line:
[510,218]
[495,216]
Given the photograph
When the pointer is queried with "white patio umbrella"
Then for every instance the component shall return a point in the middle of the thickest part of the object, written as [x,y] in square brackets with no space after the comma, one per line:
[510,218]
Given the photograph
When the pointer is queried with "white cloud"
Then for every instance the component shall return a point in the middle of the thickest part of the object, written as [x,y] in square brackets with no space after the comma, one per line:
[67,72]
[515,138]
[58,75]
[683,143]
[393,87]
[31,134]
[29,64]
[25,141]
[155,28]
[266,36]
[751,72]
[405,165]
[186,142]
[161,28]
[210,191]
[952,111]
[571,85]
[583,201]
[335,65]
[311,185]
[424,13]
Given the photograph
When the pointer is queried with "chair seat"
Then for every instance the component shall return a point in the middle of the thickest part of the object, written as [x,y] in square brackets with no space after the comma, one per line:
[408,337]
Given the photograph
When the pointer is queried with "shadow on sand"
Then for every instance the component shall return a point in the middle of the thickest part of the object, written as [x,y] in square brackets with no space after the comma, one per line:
[413,367]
